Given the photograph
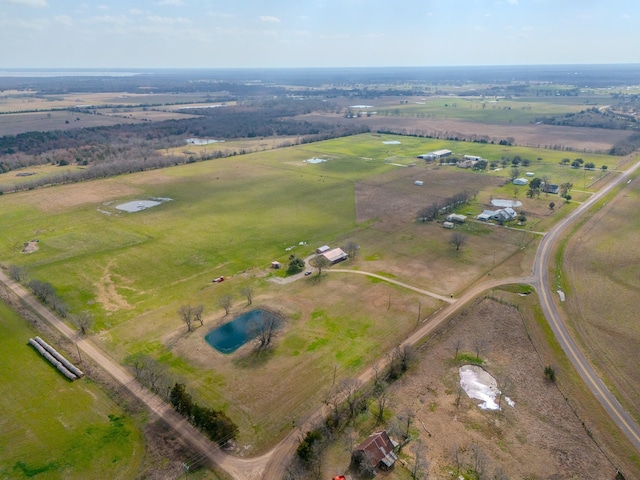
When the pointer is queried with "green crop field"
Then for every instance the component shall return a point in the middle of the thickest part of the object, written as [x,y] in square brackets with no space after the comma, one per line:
[232,217]
[51,428]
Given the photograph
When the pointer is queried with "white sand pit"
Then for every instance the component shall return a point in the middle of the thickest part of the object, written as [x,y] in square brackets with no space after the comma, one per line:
[139,205]
[479,384]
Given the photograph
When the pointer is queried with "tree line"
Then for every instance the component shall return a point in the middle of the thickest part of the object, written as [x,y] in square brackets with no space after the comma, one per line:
[436,208]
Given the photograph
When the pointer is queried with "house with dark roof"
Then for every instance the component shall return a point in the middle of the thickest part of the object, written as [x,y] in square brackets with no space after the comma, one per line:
[376,452]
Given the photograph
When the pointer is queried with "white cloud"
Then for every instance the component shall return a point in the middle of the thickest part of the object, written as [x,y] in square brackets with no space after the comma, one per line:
[111,19]
[103,7]
[135,11]
[174,3]
[63,20]
[219,14]
[168,20]
[27,3]
[269,18]
[512,2]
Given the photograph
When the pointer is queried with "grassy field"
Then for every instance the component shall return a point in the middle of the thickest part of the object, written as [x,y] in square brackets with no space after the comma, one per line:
[52,428]
[601,278]
[521,111]
[232,217]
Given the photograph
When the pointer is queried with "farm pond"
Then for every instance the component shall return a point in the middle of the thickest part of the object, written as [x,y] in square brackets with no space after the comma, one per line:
[229,337]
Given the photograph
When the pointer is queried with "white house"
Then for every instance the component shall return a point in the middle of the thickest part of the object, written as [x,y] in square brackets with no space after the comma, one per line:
[520,181]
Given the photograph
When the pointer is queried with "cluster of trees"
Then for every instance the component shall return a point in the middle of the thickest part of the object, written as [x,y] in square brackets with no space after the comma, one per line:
[626,146]
[296,265]
[594,118]
[189,315]
[213,423]
[346,401]
[47,294]
[453,136]
[433,211]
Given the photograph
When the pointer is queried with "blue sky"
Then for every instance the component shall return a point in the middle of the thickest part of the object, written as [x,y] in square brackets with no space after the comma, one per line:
[315,33]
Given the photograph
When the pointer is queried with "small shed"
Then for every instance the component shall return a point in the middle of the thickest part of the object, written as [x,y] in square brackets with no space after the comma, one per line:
[447,224]
[454,217]
[276,265]
[376,452]
[322,249]
[418,183]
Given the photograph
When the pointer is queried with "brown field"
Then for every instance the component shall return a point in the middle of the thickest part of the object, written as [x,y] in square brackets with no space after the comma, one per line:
[541,437]
[23,102]
[16,123]
[147,115]
[602,281]
[579,139]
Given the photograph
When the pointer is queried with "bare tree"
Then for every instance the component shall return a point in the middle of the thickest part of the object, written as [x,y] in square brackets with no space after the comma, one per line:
[351,248]
[196,312]
[406,417]
[478,345]
[265,329]
[320,262]
[382,399]
[247,291]
[515,173]
[185,313]
[457,345]
[419,463]
[84,321]
[504,384]
[458,240]
[225,302]
[18,274]
[350,389]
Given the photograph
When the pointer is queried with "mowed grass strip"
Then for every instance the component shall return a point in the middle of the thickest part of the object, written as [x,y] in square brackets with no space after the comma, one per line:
[51,428]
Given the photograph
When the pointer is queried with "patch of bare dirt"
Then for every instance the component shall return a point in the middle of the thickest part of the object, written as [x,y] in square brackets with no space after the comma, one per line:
[107,295]
[30,246]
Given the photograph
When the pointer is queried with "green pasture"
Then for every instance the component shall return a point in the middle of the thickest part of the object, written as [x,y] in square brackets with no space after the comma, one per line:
[51,428]
[521,111]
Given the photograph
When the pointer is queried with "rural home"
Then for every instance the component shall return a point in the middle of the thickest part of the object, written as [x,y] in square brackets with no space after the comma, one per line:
[550,188]
[502,215]
[473,158]
[435,155]
[336,255]
[520,181]
[376,452]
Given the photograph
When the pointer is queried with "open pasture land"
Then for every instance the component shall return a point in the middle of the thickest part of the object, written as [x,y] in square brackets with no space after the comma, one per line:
[16,177]
[232,217]
[602,282]
[52,428]
[16,123]
[230,147]
[520,111]
[540,436]
[35,101]
[538,136]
